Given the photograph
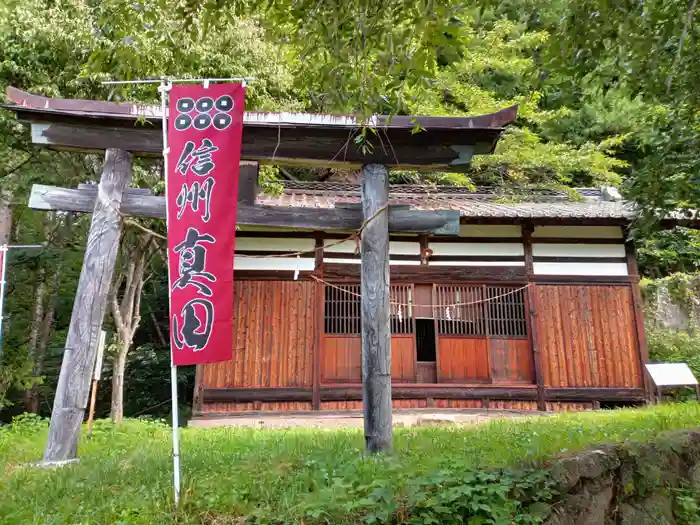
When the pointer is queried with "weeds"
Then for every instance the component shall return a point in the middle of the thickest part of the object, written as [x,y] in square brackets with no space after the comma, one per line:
[436,475]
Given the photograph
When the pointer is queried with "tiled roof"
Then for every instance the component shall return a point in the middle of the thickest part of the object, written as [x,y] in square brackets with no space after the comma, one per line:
[482,203]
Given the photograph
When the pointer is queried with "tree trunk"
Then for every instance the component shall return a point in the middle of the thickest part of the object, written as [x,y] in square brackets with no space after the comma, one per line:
[32,397]
[5,217]
[37,322]
[38,318]
[118,367]
[126,312]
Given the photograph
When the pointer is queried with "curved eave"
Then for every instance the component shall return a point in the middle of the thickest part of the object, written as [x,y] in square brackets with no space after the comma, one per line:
[280,138]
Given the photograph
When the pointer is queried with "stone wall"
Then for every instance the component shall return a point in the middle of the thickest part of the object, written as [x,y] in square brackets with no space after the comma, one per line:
[673,302]
[629,484]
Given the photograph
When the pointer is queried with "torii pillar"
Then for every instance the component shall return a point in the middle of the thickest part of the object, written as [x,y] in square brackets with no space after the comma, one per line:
[375,291]
[88,310]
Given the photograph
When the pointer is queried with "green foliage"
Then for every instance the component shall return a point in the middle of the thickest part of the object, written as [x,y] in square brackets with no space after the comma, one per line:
[501,497]
[682,344]
[15,374]
[669,346]
[669,251]
[683,287]
[646,51]
[687,506]
[488,473]
[27,424]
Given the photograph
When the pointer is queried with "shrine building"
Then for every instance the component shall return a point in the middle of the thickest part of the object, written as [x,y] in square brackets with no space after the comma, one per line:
[538,296]
[525,303]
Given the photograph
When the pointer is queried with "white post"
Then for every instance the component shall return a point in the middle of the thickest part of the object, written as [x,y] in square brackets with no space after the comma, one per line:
[96,375]
[164,90]
[3,251]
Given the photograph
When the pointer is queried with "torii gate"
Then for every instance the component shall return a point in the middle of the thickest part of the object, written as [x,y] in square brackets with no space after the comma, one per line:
[281,139]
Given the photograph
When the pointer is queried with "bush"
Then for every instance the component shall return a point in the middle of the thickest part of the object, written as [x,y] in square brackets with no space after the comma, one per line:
[668,346]
[28,424]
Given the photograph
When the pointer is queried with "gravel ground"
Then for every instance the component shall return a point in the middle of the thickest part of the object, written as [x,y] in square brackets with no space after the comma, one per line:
[405,418]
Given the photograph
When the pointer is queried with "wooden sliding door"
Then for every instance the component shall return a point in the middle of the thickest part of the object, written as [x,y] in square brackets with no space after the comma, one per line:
[481,334]
[403,334]
[341,355]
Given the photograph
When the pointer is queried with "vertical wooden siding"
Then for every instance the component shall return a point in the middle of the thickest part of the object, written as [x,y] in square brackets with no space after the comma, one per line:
[281,406]
[511,361]
[462,359]
[406,403]
[342,359]
[273,332]
[457,403]
[403,358]
[587,336]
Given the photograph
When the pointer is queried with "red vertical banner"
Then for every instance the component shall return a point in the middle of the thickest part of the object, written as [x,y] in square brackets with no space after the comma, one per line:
[205,130]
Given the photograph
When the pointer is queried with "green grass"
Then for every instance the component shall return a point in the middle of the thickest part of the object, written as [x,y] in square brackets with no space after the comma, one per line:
[278,476]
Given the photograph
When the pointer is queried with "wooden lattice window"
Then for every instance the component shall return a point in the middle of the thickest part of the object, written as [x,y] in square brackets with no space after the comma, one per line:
[401,309]
[480,311]
[342,309]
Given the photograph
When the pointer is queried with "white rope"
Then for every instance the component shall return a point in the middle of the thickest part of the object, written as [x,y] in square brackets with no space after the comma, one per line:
[413,305]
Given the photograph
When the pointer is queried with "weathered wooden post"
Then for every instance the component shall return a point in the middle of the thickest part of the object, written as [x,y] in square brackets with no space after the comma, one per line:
[88,310]
[376,335]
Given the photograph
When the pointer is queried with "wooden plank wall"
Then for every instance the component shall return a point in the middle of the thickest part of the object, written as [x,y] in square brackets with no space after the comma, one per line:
[341,359]
[587,336]
[462,359]
[403,358]
[274,327]
[406,404]
[279,406]
[511,361]
[494,404]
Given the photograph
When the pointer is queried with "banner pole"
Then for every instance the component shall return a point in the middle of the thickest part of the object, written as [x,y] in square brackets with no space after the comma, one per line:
[164,90]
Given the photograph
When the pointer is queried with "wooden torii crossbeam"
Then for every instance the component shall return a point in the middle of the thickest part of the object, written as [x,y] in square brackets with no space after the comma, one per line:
[137,203]
[309,140]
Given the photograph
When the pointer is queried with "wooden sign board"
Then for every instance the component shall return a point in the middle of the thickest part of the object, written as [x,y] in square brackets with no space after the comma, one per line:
[671,374]
[99,361]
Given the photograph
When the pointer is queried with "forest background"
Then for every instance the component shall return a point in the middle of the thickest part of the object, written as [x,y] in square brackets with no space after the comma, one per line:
[607,94]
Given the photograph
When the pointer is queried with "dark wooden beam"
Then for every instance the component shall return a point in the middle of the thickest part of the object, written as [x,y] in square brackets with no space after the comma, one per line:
[317,354]
[569,240]
[137,204]
[88,310]
[436,391]
[599,394]
[432,391]
[568,280]
[280,145]
[638,309]
[248,183]
[272,275]
[433,274]
[293,139]
[376,332]
[533,317]
[354,393]
[581,259]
